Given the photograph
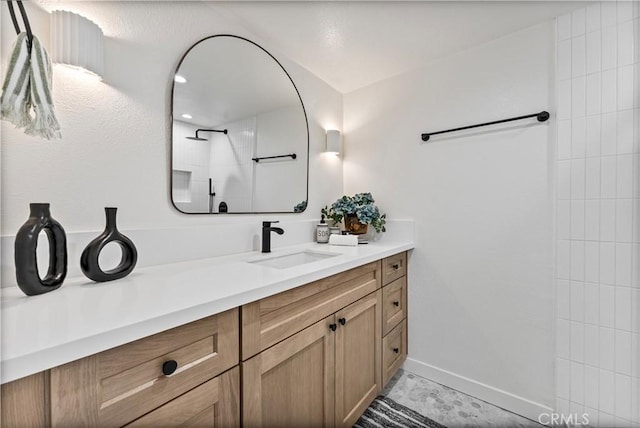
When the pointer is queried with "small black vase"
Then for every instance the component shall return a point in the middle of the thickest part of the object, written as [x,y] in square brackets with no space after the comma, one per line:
[89,258]
[25,255]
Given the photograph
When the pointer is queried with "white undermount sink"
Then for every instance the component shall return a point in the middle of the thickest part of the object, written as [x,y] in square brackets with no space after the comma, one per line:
[286,261]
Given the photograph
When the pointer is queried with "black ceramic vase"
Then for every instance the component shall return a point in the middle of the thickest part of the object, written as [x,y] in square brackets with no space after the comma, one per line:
[25,256]
[89,259]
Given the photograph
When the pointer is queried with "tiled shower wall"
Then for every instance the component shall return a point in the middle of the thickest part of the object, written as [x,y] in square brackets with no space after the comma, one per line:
[598,214]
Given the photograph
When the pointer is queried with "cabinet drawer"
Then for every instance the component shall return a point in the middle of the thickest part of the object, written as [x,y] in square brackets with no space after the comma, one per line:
[394,351]
[394,304]
[119,385]
[394,267]
[213,404]
[273,319]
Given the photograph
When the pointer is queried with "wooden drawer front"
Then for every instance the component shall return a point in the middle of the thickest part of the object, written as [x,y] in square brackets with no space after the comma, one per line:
[394,304]
[119,385]
[394,267]
[215,403]
[273,319]
[394,351]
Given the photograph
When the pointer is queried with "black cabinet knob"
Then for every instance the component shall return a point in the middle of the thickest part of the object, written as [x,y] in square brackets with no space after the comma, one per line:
[395,266]
[333,326]
[396,350]
[342,321]
[396,303]
[169,367]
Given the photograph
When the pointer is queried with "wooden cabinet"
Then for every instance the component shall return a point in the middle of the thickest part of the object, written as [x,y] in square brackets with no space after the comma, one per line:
[394,314]
[326,374]
[316,355]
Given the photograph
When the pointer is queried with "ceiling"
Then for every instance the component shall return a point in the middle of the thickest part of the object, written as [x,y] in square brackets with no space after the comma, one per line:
[354,44]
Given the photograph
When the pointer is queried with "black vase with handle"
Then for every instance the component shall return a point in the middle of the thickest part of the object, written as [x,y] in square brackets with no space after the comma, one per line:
[90,256]
[25,255]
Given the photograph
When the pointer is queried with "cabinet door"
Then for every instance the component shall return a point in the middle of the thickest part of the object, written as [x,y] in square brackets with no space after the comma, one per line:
[358,358]
[292,383]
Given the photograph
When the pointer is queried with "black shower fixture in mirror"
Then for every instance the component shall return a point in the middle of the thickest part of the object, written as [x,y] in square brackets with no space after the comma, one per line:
[240,136]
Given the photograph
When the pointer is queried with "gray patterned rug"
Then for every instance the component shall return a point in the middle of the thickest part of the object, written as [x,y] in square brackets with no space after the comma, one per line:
[386,413]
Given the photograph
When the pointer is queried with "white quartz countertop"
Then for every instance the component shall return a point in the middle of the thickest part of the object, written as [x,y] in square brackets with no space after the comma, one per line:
[82,317]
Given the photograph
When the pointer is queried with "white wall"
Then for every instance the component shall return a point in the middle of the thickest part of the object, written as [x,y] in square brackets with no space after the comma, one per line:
[481,276]
[115,145]
[598,221]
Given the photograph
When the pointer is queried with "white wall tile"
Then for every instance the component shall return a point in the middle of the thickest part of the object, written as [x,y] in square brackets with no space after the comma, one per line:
[591,381]
[623,352]
[563,378]
[625,43]
[625,132]
[607,348]
[635,400]
[636,221]
[607,266]
[625,11]
[609,90]
[578,219]
[593,17]
[563,344]
[592,262]
[593,52]
[578,56]
[578,22]
[609,47]
[591,303]
[564,219]
[591,344]
[624,176]
[577,260]
[625,81]
[592,177]
[635,274]
[635,351]
[564,26]
[622,396]
[577,306]
[608,165]
[578,178]
[577,383]
[564,59]
[609,14]
[623,309]
[579,96]
[563,260]
[609,134]
[563,302]
[564,139]
[636,9]
[606,420]
[594,96]
[564,99]
[607,392]
[623,264]
[624,216]
[594,129]
[578,137]
[564,179]
[608,220]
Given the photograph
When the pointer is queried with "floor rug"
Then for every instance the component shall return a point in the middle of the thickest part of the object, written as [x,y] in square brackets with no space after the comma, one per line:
[386,413]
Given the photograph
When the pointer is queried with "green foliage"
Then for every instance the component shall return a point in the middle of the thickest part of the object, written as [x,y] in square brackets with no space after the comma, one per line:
[360,204]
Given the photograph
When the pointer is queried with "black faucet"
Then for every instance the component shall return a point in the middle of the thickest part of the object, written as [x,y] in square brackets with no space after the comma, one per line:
[266,235]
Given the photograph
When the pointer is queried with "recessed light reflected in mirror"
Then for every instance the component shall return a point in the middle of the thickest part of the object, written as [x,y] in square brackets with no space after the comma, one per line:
[180,79]
[187,116]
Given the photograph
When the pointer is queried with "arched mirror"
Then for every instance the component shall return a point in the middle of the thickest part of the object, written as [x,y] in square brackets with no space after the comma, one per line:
[240,137]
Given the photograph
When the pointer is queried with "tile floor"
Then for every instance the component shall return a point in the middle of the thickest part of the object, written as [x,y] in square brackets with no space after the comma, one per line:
[449,407]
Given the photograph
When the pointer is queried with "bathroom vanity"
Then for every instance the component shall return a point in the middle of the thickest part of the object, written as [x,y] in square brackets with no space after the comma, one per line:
[309,344]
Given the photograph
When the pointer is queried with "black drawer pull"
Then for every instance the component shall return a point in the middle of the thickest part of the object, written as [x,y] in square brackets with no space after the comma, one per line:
[342,321]
[395,266]
[396,350]
[333,326]
[169,367]
[396,303]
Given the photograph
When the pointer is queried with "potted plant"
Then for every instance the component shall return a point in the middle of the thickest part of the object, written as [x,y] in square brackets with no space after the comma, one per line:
[358,212]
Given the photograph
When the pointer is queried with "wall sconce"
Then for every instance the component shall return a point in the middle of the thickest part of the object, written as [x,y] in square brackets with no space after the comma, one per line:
[77,42]
[334,143]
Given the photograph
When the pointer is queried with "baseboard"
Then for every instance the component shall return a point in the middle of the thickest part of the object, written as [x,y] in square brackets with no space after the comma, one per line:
[513,403]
